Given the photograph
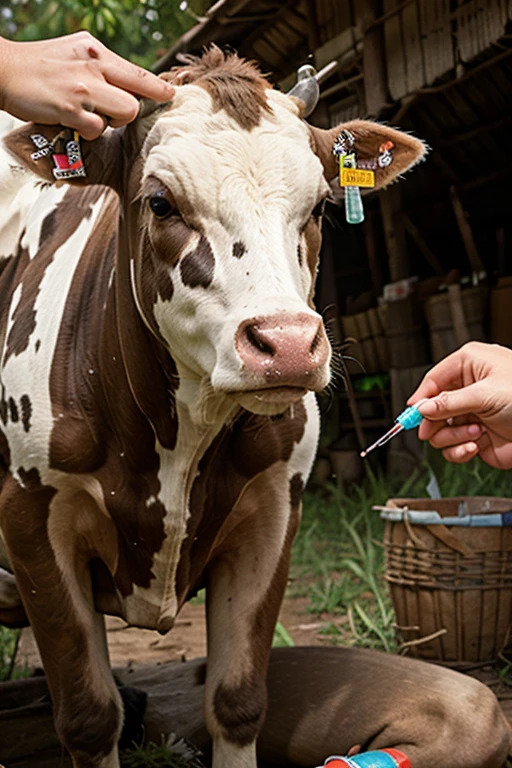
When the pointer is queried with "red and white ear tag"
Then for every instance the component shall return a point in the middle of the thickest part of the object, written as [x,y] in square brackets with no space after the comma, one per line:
[67,156]
[385,157]
[65,151]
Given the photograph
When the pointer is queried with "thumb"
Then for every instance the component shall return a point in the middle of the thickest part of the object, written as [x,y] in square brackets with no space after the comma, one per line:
[456,402]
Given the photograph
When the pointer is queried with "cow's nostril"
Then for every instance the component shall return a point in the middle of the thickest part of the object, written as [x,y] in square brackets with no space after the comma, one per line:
[256,339]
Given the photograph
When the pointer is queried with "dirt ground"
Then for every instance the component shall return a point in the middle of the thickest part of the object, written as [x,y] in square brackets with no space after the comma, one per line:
[187,640]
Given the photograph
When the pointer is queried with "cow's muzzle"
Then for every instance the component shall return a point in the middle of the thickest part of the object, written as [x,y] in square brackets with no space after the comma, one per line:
[284,351]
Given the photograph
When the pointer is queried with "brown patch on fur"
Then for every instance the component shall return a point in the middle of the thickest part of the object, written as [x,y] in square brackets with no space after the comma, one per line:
[245,449]
[62,220]
[239,249]
[84,723]
[296,488]
[235,85]
[167,239]
[197,268]
[313,238]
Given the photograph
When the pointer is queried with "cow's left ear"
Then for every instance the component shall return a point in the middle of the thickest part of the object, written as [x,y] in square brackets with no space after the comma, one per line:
[50,151]
[387,151]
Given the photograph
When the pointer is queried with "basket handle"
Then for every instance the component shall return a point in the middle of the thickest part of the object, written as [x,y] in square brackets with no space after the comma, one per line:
[442,533]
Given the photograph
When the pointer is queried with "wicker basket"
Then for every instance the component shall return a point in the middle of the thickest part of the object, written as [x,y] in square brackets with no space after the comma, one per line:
[451,586]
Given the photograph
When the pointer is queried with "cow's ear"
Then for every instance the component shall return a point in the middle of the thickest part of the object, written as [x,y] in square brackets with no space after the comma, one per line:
[387,151]
[46,151]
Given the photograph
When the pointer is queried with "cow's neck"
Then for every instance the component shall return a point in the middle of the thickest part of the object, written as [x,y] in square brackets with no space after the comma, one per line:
[164,388]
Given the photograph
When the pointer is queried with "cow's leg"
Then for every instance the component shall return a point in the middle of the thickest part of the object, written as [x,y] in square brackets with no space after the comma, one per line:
[50,560]
[246,583]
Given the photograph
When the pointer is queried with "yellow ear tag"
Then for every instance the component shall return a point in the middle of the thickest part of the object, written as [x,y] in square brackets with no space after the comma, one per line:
[354,177]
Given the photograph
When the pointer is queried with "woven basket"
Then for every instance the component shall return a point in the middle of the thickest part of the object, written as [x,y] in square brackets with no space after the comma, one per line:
[451,586]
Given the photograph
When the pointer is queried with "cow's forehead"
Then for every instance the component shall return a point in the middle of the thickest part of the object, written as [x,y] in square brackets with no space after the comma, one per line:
[200,154]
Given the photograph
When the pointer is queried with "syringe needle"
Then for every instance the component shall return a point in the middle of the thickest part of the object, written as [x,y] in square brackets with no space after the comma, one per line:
[382,440]
[408,419]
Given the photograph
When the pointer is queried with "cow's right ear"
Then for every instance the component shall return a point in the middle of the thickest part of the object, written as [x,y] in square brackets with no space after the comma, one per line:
[102,158]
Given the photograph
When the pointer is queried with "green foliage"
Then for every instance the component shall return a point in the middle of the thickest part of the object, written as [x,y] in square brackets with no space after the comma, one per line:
[9,639]
[338,556]
[139,30]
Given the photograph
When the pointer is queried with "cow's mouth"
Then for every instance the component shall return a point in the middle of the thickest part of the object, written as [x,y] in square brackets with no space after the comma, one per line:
[269,401]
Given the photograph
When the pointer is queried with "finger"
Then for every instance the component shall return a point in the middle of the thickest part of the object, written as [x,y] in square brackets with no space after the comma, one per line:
[120,107]
[134,79]
[88,124]
[444,375]
[461,454]
[427,389]
[457,402]
[453,436]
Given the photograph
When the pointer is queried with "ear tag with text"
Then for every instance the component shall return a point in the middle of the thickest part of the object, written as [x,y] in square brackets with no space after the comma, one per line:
[351,177]
[43,146]
[67,156]
[65,151]
[354,211]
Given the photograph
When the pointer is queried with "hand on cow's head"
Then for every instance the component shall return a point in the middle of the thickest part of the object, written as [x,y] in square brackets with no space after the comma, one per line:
[104,158]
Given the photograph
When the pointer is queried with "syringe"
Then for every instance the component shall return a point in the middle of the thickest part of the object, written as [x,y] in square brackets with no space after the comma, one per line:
[408,419]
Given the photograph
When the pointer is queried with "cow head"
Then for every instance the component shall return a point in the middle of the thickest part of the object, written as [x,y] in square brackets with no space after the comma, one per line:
[222,193]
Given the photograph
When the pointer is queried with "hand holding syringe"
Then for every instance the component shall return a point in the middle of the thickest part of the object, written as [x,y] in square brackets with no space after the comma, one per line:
[408,419]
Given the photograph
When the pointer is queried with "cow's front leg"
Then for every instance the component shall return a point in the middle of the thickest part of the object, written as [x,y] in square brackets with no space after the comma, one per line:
[246,584]
[48,547]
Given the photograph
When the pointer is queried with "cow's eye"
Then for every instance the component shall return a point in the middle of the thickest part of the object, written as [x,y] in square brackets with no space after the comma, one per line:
[160,206]
[318,210]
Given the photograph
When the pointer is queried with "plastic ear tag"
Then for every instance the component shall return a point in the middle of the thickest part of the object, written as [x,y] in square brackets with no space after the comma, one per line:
[67,156]
[43,146]
[66,153]
[354,211]
[385,157]
[350,176]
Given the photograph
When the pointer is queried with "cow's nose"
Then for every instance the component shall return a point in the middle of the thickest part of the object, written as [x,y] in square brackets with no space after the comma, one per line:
[284,349]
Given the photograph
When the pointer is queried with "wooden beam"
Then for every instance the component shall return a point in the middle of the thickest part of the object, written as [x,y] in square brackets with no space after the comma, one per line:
[466,233]
[394,233]
[422,246]
[313,33]
[374,59]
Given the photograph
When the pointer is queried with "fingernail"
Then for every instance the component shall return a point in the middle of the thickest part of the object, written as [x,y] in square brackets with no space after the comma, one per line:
[474,430]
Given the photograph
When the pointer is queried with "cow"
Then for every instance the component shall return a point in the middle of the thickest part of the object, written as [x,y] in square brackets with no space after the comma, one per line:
[160,358]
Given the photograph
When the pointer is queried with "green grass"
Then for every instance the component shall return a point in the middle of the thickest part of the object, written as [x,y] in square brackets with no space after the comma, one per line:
[338,556]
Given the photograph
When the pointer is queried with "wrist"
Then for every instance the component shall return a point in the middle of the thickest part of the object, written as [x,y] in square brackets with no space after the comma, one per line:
[6,70]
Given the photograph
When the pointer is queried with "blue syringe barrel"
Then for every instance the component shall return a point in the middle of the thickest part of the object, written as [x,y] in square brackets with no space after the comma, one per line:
[410,418]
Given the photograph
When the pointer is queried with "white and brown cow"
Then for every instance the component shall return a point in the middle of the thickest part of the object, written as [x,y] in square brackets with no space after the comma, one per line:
[160,355]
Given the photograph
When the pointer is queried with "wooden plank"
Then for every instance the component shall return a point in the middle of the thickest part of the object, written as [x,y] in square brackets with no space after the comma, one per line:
[394,233]
[445,37]
[374,61]
[413,51]
[466,233]
[395,57]
[426,38]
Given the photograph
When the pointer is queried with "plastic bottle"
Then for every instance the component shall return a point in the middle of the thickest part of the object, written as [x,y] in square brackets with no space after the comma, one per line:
[382,758]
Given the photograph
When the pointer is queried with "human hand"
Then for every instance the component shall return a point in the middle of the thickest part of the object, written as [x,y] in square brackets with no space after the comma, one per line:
[74,81]
[469,405]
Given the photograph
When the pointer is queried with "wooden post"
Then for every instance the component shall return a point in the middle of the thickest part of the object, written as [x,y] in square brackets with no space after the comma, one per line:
[371,251]
[313,36]
[374,59]
[394,232]
[466,233]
